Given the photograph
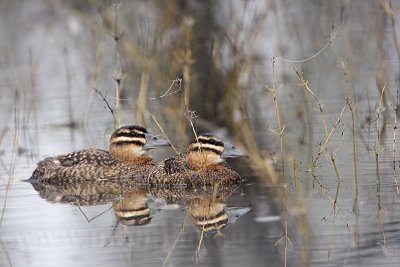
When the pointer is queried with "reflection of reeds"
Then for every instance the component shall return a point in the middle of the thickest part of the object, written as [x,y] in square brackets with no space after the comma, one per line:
[377,148]
[68,81]
[176,239]
[14,152]
[394,142]
[354,142]
[325,146]
[352,107]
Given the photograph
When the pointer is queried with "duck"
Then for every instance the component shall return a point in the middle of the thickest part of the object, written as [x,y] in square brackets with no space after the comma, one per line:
[126,158]
[203,164]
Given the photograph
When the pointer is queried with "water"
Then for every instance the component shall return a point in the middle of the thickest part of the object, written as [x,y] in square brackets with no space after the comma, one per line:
[51,227]
[53,55]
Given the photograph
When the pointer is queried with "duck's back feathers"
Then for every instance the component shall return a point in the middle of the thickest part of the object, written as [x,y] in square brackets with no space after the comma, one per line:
[90,164]
[177,171]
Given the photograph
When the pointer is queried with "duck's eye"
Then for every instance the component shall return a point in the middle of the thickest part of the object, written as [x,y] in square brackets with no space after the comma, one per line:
[212,141]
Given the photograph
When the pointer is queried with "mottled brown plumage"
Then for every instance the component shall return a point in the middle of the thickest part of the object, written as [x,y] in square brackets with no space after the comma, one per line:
[203,164]
[126,159]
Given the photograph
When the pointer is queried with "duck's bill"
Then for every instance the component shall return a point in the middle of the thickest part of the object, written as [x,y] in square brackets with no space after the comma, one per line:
[230,151]
[153,141]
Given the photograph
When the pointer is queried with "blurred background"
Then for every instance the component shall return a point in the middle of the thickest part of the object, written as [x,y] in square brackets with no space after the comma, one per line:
[308,88]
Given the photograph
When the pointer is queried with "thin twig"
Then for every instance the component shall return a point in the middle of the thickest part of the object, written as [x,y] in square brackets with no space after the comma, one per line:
[105,101]
[332,36]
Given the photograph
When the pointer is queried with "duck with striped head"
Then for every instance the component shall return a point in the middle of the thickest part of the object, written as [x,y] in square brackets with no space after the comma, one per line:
[202,164]
[126,158]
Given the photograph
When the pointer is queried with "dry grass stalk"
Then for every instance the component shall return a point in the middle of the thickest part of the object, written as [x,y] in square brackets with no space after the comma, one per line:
[176,239]
[174,148]
[142,99]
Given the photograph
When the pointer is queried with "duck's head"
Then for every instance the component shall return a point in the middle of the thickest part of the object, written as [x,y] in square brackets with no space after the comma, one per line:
[132,141]
[208,150]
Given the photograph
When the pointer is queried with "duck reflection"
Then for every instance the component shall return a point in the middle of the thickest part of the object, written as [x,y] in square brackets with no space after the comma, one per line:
[133,209]
[81,194]
[130,202]
[208,214]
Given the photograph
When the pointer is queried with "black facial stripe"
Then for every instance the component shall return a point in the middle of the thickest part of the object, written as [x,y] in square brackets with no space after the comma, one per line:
[196,149]
[135,127]
[203,218]
[211,142]
[123,143]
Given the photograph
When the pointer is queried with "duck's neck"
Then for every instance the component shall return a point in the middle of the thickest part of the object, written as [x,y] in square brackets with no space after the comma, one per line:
[202,160]
[134,155]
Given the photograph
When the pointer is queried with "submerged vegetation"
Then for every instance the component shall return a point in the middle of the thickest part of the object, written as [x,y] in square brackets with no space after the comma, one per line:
[309,90]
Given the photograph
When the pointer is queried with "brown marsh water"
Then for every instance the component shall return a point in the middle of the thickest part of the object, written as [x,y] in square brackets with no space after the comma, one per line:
[329,183]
